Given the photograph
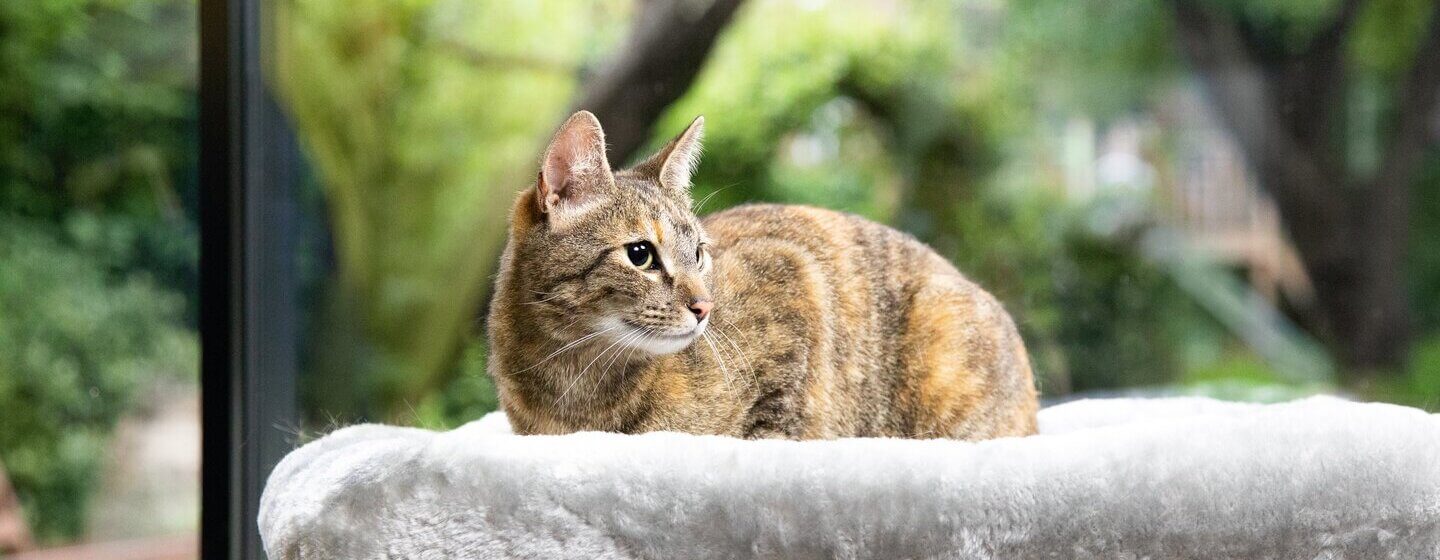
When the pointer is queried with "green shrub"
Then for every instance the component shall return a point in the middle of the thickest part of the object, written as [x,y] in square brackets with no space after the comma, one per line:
[469,395]
[1420,385]
[76,344]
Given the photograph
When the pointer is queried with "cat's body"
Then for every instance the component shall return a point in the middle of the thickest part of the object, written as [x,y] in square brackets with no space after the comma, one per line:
[792,322]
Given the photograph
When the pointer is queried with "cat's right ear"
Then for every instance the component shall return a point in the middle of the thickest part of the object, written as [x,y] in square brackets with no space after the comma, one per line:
[673,165]
[574,171]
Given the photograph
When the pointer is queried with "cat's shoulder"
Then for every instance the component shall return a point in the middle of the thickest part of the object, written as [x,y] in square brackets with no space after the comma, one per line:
[761,213]
[798,222]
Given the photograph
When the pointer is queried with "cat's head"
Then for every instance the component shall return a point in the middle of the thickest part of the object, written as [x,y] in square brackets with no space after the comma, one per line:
[619,253]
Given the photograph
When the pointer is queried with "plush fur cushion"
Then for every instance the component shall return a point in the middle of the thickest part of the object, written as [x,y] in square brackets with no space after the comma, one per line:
[1171,478]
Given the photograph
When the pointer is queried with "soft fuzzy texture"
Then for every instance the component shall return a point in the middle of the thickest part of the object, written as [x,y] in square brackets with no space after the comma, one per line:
[1172,478]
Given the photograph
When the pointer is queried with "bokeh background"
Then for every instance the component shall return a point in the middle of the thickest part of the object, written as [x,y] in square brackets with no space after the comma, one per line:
[1229,198]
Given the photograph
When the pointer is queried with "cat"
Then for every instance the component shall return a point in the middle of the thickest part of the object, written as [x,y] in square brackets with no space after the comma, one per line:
[617,309]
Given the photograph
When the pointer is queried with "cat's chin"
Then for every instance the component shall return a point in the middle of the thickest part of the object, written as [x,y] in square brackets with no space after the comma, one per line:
[657,343]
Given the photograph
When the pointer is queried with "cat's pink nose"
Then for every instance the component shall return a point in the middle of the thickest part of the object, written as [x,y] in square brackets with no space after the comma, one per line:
[701,308]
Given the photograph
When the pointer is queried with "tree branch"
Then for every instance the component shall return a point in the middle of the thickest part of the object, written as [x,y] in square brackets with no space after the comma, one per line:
[1417,106]
[669,42]
[489,60]
[1333,36]
[1309,88]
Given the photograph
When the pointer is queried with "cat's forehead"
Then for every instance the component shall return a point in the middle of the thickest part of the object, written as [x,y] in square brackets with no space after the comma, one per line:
[645,209]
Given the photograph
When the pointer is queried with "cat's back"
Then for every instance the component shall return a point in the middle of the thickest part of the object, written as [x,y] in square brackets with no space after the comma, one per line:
[845,244]
[860,329]
[785,221]
[793,262]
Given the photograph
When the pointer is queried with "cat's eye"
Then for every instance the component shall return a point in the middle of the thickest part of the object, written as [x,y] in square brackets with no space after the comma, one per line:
[641,254]
[700,253]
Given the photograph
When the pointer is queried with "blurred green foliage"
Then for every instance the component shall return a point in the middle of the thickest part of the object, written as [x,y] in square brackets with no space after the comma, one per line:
[97,112]
[1424,259]
[77,343]
[1100,57]
[1420,386]
[97,238]
[468,395]
[97,105]
[1125,57]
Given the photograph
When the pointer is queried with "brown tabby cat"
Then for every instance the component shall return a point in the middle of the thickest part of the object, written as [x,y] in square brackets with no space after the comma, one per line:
[617,309]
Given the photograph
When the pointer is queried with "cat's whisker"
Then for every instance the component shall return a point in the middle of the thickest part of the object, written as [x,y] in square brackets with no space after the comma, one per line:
[619,346]
[572,323]
[643,341]
[742,361]
[701,206]
[572,344]
[719,362]
[586,369]
[630,343]
[724,353]
[627,341]
[724,371]
[754,375]
[548,298]
[569,387]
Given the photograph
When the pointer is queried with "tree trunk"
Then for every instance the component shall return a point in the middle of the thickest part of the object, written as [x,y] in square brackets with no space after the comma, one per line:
[1284,108]
[668,44]
[1357,269]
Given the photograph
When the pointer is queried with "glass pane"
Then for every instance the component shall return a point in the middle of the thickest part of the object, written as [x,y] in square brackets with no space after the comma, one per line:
[99,410]
[418,122]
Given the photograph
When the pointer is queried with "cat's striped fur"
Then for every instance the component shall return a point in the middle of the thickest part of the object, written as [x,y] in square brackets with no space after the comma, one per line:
[824,324]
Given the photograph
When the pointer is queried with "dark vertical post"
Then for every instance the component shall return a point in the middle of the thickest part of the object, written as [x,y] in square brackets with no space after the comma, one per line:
[247,289]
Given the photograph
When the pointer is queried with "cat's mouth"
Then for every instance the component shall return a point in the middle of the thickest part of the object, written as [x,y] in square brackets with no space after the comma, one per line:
[660,342]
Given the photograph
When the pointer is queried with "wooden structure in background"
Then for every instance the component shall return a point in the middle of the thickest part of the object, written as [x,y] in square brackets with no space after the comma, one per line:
[16,542]
[1210,195]
[1199,185]
[14,532]
[182,547]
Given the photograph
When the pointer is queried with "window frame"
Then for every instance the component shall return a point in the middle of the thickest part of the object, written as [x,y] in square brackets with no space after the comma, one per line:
[248,316]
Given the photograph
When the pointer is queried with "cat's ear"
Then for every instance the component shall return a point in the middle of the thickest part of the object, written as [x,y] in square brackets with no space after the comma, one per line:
[574,170]
[675,163]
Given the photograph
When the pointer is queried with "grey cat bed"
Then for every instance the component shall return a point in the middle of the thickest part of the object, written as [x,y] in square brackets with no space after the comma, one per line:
[1171,478]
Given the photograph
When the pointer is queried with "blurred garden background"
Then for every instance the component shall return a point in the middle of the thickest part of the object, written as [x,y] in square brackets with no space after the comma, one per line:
[1220,197]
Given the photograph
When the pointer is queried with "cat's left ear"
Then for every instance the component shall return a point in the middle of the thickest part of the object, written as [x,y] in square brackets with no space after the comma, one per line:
[675,163]
[574,171]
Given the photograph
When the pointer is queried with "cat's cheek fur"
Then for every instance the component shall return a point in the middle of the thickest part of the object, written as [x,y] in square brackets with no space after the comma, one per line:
[650,342]
[665,346]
